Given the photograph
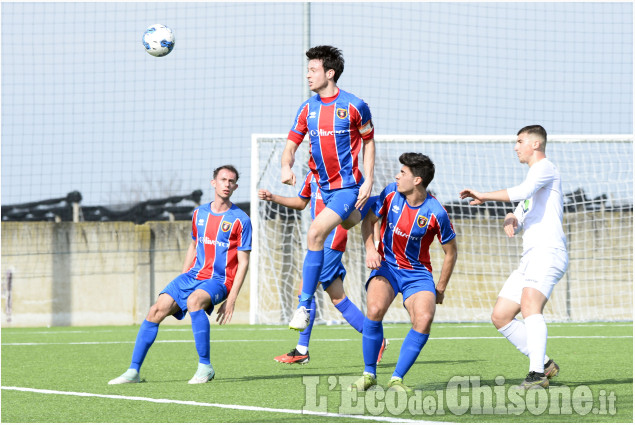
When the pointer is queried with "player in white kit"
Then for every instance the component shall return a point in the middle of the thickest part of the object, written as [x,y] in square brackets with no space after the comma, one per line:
[544,260]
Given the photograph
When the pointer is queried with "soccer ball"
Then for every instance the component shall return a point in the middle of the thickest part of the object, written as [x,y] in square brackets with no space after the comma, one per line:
[158,40]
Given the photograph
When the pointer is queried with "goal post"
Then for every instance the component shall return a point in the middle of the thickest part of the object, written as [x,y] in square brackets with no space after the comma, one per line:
[597,180]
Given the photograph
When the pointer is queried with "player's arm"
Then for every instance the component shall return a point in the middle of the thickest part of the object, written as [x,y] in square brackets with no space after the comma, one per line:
[449,260]
[288,159]
[189,256]
[373,259]
[480,197]
[368,151]
[226,310]
[296,202]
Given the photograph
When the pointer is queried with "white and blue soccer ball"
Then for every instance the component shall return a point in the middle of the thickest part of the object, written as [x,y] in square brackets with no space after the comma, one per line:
[158,40]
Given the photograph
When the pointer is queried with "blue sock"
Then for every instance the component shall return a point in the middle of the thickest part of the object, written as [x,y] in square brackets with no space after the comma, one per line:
[145,338]
[311,275]
[200,329]
[305,335]
[351,313]
[410,349]
[372,337]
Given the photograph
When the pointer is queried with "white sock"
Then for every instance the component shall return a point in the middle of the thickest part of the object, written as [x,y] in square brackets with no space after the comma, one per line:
[516,333]
[536,341]
[302,349]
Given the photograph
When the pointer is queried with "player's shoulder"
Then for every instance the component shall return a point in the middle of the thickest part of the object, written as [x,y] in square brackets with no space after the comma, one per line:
[392,187]
[203,208]
[238,213]
[434,205]
[351,98]
[545,166]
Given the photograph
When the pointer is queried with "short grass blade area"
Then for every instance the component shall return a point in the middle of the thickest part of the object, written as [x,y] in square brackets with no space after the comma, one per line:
[465,373]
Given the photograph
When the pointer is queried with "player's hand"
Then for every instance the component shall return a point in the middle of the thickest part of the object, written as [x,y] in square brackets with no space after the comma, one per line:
[225,312]
[510,225]
[364,193]
[440,296]
[287,176]
[373,260]
[265,195]
[470,193]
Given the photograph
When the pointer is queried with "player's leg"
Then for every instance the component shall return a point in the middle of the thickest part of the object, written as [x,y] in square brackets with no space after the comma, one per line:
[164,307]
[504,319]
[300,354]
[380,294]
[421,307]
[358,215]
[201,303]
[544,270]
[322,225]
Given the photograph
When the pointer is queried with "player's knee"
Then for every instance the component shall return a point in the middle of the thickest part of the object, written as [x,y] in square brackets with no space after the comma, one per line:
[197,301]
[499,320]
[156,314]
[315,236]
[422,322]
[375,312]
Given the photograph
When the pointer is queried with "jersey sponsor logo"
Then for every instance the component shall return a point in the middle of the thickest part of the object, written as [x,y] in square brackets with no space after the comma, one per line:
[342,113]
[422,220]
[207,241]
[323,133]
[226,226]
[397,231]
[526,205]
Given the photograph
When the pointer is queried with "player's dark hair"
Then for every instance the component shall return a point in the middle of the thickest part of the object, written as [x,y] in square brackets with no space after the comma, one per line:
[537,130]
[331,58]
[420,165]
[226,167]
[534,129]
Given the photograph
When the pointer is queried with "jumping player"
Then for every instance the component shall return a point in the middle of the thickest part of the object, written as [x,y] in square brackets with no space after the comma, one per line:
[339,126]
[333,271]
[214,269]
[411,220]
[544,259]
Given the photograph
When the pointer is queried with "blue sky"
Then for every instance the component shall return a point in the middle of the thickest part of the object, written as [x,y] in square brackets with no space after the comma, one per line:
[85,108]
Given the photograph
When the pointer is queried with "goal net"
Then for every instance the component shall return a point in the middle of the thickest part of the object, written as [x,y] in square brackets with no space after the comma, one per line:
[597,180]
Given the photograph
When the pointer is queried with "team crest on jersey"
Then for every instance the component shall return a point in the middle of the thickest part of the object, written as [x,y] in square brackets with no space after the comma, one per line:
[422,220]
[226,226]
[342,113]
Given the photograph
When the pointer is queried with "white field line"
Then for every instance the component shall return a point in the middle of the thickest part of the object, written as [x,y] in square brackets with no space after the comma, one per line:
[214,341]
[218,405]
[337,326]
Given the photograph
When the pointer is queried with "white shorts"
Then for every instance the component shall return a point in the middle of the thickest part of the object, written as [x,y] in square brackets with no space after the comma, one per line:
[540,269]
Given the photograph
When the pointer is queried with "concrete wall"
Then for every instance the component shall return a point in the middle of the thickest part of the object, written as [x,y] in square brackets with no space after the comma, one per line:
[66,274]
[84,274]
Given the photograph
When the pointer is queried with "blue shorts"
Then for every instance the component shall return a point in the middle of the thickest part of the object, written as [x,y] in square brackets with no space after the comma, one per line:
[332,268]
[408,282]
[183,286]
[342,201]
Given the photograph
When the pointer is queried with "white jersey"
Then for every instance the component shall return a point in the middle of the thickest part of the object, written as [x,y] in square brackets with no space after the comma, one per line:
[539,211]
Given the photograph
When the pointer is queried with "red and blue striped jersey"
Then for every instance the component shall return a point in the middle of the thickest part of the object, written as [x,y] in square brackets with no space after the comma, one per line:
[335,130]
[218,238]
[407,231]
[336,240]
